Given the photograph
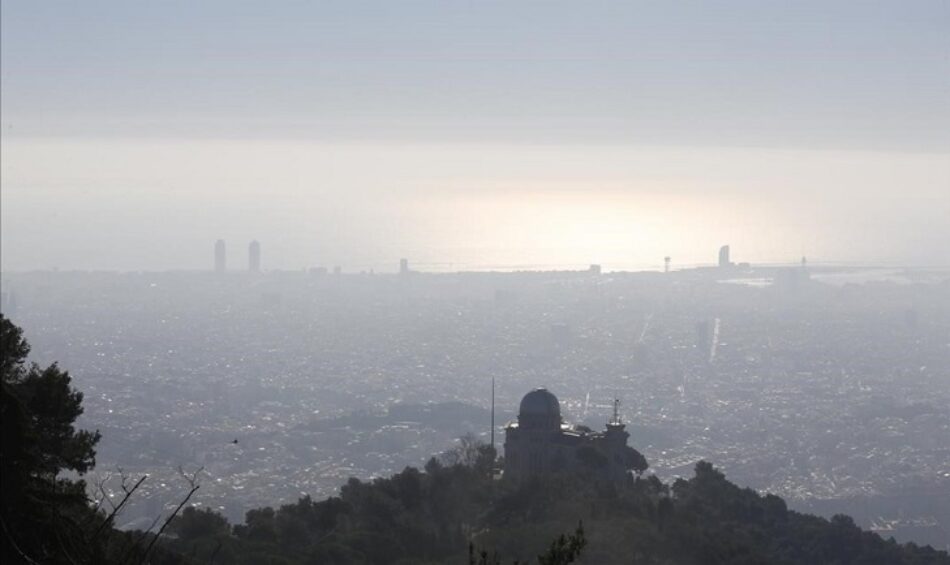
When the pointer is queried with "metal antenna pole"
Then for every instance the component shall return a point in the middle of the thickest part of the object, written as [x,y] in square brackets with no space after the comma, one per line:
[493,413]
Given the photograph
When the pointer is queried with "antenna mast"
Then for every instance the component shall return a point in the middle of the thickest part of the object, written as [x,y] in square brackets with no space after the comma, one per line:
[493,413]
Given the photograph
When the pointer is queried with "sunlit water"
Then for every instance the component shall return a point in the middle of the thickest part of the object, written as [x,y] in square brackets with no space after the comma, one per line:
[161,204]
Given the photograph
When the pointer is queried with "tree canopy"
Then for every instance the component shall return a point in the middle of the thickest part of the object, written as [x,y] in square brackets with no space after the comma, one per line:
[43,512]
[457,513]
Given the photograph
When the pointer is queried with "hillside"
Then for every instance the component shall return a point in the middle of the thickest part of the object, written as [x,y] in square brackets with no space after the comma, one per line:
[429,516]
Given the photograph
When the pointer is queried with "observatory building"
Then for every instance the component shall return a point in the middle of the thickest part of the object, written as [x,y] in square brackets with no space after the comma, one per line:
[540,442]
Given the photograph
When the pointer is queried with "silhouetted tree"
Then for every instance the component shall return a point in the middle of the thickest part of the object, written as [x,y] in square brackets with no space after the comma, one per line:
[194,523]
[470,452]
[562,551]
[565,549]
[44,515]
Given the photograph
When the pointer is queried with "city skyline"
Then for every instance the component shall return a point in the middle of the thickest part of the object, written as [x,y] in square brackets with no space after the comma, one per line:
[377,276]
[401,266]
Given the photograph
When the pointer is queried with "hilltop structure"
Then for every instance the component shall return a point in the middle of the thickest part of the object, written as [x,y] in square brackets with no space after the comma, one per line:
[540,442]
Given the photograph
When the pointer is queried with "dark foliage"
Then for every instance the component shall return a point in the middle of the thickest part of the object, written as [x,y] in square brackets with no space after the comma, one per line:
[459,514]
[45,517]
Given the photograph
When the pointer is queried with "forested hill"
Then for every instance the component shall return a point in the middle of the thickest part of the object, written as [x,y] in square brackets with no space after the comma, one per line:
[431,516]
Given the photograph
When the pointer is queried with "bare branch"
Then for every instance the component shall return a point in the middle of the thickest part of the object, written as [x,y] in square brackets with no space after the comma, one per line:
[110,519]
[101,489]
[125,479]
[138,542]
[215,554]
[192,480]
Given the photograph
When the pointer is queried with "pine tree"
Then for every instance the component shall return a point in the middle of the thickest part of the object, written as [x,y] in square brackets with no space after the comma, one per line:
[44,516]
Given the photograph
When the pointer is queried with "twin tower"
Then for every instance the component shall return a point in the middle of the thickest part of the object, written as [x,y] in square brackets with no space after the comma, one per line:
[221,257]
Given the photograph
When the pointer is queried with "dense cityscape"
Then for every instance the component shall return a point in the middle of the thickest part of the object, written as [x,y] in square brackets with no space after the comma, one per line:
[475,283]
[826,386]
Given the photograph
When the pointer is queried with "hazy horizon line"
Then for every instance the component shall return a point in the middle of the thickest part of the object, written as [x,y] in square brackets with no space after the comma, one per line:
[503,269]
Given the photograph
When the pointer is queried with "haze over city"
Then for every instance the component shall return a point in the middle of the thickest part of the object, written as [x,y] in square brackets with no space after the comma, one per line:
[475,282]
[495,136]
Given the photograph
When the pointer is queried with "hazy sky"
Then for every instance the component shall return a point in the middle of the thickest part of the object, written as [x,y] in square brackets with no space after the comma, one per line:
[473,134]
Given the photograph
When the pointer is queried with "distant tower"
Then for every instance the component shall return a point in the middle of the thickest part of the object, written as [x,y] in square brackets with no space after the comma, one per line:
[404,266]
[666,264]
[254,257]
[220,257]
[594,269]
[615,418]
[804,261]
[724,256]
[616,435]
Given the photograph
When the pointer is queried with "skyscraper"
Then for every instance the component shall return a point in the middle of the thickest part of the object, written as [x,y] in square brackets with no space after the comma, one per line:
[254,257]
[404,266]
[724,256]
[220,257]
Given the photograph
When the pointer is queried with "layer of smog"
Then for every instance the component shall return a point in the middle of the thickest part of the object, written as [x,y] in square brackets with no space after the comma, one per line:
[484,283]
